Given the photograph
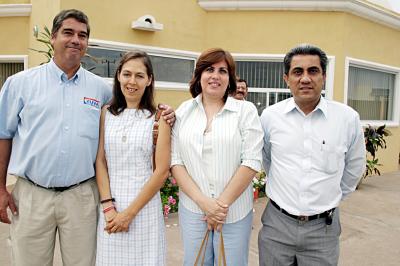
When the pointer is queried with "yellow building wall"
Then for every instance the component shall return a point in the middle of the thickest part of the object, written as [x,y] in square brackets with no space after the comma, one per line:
[43,12]
[389,158]
[171,97]
[14,2]
[12,43]
[183,22]
[373,42]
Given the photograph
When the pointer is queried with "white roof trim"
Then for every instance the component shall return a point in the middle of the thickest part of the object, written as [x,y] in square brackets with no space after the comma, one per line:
[15,10]
[360,8]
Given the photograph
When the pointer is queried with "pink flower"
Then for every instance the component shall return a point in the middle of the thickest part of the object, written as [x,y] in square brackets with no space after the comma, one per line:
[167,208]
[171,200]
[173,181]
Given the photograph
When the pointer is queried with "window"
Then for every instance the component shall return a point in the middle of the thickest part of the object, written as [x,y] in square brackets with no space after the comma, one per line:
[168,69]
[265,80]
[371,90]
[10,65]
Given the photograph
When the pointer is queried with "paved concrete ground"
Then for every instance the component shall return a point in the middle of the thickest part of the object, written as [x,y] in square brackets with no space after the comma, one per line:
[370,227]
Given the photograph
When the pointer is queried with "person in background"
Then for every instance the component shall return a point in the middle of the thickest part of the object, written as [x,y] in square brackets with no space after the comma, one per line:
[241,89]
[216,151]
[310,166]
[131,225]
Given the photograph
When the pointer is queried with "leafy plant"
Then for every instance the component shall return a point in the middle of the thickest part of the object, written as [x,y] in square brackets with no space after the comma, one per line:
[374,139]
[259,181]
[45,37]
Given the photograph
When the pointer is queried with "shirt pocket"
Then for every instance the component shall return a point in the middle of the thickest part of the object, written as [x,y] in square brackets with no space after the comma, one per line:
[333,157]
[89,118]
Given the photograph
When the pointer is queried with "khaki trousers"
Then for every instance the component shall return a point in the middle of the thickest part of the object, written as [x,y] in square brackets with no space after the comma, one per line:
[42,213]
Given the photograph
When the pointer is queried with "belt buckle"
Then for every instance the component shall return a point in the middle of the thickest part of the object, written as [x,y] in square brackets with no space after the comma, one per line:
[303,218]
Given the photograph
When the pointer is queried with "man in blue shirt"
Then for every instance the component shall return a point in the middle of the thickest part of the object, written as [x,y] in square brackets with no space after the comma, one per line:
[49,126]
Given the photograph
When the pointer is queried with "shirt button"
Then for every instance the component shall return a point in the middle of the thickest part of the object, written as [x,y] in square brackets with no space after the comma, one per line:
[67,105]
[66,128]
[63,152]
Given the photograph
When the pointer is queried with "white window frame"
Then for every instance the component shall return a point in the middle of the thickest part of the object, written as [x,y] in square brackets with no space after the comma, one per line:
[151,50]
[15,59]
[349,61]
[330,72]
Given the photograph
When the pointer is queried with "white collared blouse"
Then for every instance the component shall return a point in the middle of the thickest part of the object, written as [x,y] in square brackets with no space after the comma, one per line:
[237,139]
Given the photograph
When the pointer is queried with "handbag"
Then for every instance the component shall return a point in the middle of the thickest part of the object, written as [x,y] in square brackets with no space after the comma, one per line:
[202,251]
[155,134]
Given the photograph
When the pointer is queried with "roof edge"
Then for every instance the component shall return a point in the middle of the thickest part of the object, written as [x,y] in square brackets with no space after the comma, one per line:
[15,10]
[360,8]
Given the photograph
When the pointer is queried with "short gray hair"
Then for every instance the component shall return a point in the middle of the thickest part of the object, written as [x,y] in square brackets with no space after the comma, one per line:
[69,13]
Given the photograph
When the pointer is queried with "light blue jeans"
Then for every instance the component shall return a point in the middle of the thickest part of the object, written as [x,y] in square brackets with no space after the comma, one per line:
[236,239]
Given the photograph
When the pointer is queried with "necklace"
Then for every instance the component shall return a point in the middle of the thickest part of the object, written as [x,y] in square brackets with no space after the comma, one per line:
[129,123]
[208,126]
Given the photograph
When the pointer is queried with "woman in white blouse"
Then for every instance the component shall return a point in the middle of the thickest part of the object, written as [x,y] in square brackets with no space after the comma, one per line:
[216,151]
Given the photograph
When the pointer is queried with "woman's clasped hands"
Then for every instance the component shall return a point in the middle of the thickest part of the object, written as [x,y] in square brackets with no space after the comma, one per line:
[117,221]
[215,212]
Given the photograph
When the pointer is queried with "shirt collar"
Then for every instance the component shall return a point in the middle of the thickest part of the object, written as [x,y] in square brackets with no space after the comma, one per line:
[61,75]
[230,104]
[322,106]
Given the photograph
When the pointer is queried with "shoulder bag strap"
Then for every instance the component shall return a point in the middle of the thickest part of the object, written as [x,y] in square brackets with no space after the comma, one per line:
[202,251]
[155,135]
[221,252]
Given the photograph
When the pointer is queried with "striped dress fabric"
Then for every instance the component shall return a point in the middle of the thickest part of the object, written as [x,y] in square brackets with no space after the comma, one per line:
[128,148]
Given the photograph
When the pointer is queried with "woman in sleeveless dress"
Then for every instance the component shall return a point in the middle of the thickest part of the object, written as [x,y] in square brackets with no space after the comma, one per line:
[131,226]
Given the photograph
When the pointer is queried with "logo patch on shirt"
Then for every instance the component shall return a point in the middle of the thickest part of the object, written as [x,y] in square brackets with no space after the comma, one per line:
[92,102]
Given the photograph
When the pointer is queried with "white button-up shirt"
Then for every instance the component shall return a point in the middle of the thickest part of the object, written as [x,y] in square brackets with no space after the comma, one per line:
[237,139]
[312,161]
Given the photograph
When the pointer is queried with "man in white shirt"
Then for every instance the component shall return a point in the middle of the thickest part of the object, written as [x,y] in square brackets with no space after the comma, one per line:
[241,89]
[314,155]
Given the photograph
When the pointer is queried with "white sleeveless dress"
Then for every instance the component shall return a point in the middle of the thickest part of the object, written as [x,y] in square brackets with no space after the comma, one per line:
[128,145]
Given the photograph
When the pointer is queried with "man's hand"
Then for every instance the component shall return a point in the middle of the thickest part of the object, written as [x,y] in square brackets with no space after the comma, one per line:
[167,114]
[6,201]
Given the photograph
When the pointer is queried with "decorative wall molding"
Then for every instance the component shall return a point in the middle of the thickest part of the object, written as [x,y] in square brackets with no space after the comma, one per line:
[15,10]
[359,8]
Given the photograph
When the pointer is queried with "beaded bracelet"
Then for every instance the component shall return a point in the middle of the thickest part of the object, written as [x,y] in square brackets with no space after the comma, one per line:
[107,200]
[109,208]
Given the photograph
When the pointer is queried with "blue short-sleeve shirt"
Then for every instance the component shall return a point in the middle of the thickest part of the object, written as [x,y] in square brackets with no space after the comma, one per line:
[53,122]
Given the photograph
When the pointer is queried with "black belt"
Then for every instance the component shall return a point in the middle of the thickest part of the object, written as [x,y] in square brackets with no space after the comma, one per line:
[58,189]
[302,217]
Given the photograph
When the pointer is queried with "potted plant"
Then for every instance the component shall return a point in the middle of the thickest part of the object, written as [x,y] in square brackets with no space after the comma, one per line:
[258,184]
[374,139]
